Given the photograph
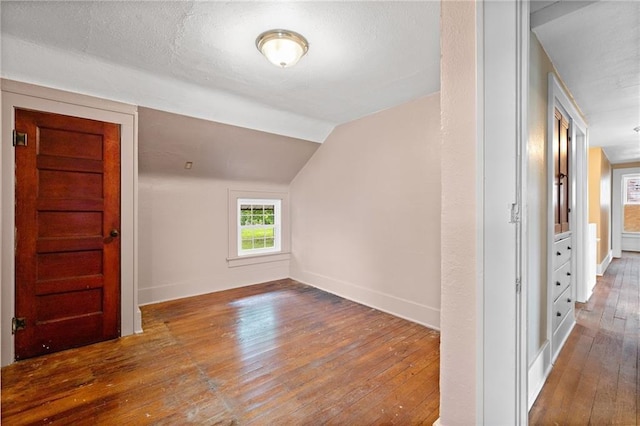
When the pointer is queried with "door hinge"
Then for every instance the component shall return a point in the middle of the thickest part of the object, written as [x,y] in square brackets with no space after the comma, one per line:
[19,138]
[18,324]
[515,213]
[518,285]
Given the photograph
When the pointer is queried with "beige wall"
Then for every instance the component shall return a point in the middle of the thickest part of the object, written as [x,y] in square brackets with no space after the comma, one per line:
[604,245]
[183,238]
[539,68]
[366,212]
[459,347]
[600,199]
[595,160]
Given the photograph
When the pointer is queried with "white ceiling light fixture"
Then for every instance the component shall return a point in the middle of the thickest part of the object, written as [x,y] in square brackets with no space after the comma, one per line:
[282,48]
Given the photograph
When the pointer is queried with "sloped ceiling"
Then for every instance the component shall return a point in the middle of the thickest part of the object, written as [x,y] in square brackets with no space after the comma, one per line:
[218,151]
[199,58]
[595,47]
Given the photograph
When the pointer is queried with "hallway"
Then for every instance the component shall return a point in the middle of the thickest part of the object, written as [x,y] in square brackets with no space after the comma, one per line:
[595,379]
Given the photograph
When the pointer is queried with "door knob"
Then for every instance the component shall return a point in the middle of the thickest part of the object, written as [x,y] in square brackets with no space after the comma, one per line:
[114,233]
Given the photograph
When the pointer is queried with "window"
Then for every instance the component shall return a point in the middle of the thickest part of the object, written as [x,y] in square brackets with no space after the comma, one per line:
[631,201]
[632,189]
[259,229]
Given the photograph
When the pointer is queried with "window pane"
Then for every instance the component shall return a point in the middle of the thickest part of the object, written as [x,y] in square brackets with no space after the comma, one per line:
[631,218]
[632,191]
[257,226]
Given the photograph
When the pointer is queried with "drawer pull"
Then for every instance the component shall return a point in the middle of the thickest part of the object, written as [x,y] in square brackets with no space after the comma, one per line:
[569,300]
[568,274]
[558,253]
[558,314]
[568,247]
[558,283]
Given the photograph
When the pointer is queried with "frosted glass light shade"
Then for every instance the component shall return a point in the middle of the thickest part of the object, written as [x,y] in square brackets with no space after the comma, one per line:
[282,48]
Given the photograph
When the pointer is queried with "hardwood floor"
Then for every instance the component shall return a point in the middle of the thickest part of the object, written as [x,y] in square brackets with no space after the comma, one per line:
[595,380]
[274,353]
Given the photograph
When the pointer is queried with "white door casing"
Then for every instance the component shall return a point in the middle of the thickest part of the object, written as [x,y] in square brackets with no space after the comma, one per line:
[21,95]
[617,212]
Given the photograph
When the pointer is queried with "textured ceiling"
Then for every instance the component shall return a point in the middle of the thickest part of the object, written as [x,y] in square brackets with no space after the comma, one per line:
[199,59]
[596,50]
[191,57]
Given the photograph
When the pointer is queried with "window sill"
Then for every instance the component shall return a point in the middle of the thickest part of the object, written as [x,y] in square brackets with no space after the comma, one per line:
[258,258]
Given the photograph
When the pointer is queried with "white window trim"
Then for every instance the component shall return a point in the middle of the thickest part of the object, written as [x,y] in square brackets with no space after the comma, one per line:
[233,260]
[277,227]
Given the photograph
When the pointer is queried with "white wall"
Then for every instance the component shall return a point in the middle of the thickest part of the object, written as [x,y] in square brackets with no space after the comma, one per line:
[183,238]
[366,212]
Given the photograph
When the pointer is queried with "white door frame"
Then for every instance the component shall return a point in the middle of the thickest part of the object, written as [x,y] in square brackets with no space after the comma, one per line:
[616,208]
[503,67]
[21,95]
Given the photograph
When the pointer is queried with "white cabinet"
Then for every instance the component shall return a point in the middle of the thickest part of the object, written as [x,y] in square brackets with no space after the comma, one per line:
[562,317]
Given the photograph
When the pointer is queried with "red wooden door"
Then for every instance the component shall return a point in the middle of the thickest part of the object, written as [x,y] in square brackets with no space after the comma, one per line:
[67,225]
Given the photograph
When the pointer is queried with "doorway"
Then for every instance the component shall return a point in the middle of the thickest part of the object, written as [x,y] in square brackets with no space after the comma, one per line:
[625,210]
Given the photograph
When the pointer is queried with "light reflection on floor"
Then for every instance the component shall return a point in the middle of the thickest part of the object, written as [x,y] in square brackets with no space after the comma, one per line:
[257,322]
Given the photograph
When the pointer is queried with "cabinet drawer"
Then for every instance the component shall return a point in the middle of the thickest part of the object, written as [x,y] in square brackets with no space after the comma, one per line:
[561,333]
[562,307]
[561,279]
[561,252]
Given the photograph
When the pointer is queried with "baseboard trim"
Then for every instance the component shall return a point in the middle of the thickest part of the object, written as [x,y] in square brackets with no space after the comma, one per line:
[538,372]
[630,242]
[138,321]
[406,309]
[602,267]
[197,287]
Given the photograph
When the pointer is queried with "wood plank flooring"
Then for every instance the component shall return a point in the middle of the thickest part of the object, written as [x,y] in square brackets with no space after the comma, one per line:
[595,380]
[274,353]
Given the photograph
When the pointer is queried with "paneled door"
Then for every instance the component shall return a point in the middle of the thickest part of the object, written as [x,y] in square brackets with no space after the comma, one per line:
[67,233]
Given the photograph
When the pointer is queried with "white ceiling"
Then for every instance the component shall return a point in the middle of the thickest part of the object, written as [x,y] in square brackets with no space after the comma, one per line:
[199,58]
[595,46]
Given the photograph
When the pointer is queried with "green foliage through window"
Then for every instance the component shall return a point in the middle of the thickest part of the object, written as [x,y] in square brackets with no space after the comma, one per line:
[257,226]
